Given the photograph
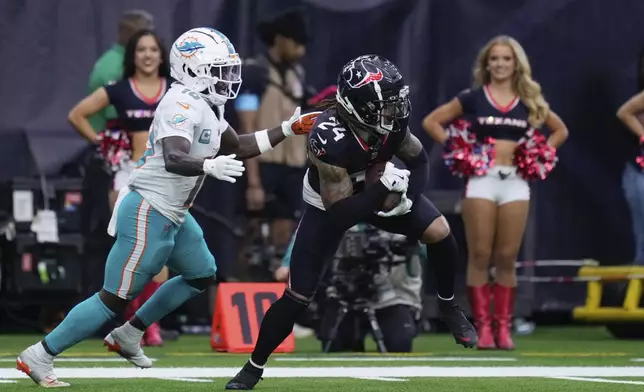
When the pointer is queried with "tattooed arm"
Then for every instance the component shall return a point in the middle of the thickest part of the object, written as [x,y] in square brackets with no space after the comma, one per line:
[336,190]
[413,155]
[335,183]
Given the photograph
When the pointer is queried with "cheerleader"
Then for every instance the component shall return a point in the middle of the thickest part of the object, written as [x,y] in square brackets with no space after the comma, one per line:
[504,103]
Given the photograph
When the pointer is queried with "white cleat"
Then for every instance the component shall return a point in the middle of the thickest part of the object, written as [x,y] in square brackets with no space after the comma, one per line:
[39,369]
[127,347]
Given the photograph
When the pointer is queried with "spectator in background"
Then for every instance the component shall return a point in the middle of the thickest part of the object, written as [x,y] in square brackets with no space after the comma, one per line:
[504,103]
[631,113]
[109,67]
[146,78]
[273,87]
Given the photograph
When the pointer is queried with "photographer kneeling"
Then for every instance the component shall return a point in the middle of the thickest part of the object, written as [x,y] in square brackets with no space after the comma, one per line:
[373,286]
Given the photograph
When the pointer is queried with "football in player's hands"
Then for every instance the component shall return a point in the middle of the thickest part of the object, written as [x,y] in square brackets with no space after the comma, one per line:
[304,123]
[372,176]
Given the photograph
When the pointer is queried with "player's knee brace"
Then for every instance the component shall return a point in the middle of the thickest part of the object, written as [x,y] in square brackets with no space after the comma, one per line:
[201,284]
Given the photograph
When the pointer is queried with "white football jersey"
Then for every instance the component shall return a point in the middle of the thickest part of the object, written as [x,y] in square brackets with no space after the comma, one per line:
[181,112]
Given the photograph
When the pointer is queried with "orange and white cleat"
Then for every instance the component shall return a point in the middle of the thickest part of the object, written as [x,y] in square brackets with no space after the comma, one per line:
[39,366]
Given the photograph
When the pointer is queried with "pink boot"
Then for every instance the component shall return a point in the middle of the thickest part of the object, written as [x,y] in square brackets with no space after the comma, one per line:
[480,303]
[503,309]
[152,335]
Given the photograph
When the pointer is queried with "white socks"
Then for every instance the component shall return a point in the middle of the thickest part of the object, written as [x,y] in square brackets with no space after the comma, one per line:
[40,352]
[132,332]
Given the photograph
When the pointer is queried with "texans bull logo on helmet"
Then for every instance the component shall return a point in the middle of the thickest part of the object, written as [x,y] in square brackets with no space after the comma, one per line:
[363,72]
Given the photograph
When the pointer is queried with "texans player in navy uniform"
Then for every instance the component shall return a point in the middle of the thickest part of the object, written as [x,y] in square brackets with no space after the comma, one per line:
[135,97]
[504,104]
[367,123]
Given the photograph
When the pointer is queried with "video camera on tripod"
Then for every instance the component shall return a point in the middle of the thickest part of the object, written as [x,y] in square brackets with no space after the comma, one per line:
[362,262]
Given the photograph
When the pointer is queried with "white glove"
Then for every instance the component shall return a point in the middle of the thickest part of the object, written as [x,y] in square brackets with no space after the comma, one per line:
[396,180]
[401,209]
[224,167]
[286,125]
[299,124]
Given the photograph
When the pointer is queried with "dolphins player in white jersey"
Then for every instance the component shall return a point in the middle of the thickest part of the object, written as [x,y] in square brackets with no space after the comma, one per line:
[151,221]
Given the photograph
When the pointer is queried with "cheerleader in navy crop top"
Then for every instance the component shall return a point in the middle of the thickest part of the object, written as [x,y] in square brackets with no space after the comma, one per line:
[495,205]
[135,97]
[489,118]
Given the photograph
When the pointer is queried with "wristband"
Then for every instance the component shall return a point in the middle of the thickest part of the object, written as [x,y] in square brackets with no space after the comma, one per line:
[263,142]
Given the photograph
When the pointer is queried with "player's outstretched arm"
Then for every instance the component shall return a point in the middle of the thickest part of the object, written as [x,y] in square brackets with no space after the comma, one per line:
[251,145]
[413,155]
[176,154]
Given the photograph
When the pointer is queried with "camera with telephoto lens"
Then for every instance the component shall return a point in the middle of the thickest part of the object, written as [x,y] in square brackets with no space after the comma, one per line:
[365,256]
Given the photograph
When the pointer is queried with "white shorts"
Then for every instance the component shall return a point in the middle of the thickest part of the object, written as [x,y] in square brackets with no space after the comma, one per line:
[122,176]
[501,185]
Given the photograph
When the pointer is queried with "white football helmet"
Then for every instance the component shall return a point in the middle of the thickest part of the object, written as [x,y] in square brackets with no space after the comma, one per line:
[205,61]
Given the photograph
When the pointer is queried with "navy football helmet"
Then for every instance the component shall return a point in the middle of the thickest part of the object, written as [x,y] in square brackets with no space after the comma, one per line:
[372,95]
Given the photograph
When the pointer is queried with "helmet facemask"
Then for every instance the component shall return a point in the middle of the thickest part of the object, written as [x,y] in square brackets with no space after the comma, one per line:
[380,116]
[217,83]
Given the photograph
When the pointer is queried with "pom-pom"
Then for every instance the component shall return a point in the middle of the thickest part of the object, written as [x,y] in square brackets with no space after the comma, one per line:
[464,155]
[640,157]
[640,160]
[534,157]
[115,148]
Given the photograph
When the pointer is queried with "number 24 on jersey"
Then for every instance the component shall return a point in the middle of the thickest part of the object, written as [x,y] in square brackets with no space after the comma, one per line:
[333,123]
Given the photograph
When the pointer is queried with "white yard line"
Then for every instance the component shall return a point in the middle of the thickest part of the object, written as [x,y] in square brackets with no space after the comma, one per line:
[382,378]
[604,380]
[84,359]
[395,359]
[184,379]
[344,372]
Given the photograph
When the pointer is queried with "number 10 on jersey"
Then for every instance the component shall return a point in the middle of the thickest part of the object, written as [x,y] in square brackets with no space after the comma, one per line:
[239,310]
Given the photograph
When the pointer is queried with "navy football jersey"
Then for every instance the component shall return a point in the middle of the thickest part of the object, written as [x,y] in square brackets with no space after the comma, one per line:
[488,118]
[336,145]
[135,111]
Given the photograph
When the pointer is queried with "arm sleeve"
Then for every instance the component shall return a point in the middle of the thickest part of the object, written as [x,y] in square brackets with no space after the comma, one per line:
[357,208]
